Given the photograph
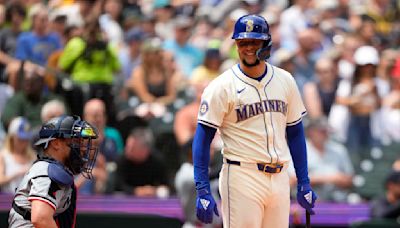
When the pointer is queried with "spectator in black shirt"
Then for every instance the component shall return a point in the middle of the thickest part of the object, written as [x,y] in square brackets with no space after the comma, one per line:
[139,172]
[388,207]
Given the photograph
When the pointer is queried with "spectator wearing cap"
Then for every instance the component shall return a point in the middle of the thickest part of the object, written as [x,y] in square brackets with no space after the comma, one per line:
[362,99]
[16,156]
[210,68]
[129,56]
[187,55]
[37,44]
[388,206]
[330,167]
[163,15]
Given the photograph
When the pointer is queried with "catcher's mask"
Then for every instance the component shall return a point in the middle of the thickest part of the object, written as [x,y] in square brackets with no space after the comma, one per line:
[83,155]
[254,27]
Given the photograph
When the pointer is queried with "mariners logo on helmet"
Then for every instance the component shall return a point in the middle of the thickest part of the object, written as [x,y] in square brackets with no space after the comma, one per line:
[249,25]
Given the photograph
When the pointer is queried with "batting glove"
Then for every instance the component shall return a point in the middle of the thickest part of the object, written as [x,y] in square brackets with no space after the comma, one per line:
[306,197]
[205,205]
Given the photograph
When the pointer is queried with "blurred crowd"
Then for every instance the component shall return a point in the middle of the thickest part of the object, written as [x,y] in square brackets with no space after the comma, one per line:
[136,70]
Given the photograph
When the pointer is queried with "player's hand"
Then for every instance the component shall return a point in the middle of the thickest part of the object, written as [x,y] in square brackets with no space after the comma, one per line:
[306,197]
[205,205]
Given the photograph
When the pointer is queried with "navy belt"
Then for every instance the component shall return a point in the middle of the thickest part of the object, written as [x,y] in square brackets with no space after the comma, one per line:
[268,168]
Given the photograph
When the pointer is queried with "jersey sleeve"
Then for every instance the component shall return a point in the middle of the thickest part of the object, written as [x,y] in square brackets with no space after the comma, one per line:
[214,105]
[296,109]
[42,188]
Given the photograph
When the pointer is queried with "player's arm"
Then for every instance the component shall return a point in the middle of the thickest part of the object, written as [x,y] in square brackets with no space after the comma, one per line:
[201,153]
[297,146]
[42,214]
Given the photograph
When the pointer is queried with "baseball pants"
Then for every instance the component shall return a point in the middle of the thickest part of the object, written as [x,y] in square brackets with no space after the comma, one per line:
[252,198]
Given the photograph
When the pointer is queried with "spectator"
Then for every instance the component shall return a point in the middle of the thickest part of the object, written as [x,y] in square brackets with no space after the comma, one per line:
[15,15]
[29,101]
[391,106]
[129,56]
[51,109]
[388,207]
[164,14]
[110,140]
[362,99]
[139,172]
[210,68]
[109,22]
[150,81]
[289,27]
[185,53]
[330,167]
[16,156]
[37,44]
[304,59]
[319,95]
[92,61]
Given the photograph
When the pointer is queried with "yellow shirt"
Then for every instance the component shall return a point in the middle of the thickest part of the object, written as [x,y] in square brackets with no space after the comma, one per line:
[201,73]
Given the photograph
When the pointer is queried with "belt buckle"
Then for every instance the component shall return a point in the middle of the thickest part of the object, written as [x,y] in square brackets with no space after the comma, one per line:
[276,169]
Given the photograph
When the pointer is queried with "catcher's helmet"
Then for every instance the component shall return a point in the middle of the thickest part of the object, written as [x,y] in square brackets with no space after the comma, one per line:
[64,127]
[254,27]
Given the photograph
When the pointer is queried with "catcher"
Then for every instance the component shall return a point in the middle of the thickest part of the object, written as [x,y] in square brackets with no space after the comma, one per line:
[46,197]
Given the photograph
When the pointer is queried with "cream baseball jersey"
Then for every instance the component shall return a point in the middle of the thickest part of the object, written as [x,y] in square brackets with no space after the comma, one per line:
[252,115]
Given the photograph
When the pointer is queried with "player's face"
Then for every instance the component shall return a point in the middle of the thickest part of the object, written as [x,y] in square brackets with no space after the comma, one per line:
[247,49]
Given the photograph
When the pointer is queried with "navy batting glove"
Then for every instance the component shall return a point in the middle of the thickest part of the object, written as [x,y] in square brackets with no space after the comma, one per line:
[306,197]
[205,205]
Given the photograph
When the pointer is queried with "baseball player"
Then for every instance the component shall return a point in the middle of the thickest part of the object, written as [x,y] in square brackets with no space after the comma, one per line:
[258,110]
[46,197]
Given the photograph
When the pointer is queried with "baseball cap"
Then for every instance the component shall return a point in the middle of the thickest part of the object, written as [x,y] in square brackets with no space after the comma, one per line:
[183,22]
[365,55]
[213,53]
[161,3]
[134,34]
[21,128]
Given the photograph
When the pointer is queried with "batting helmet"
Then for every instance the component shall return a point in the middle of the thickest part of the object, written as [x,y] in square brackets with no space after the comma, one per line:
[254,27]
[64,127]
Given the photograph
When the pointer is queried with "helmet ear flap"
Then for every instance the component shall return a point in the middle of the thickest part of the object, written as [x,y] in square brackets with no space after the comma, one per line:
[265,52]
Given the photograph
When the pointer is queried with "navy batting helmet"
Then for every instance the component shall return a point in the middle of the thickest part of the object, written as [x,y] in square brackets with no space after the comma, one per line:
[83,155]
[254,27]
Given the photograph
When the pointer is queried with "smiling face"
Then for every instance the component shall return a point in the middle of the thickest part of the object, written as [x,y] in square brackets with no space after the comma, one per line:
[247,49]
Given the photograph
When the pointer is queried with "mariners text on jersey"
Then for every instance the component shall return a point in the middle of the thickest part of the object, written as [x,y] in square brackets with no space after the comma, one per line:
[246,111]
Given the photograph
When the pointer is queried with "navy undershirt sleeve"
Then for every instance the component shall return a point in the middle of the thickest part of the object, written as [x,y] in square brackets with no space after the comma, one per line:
[201,153]
[298,150]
